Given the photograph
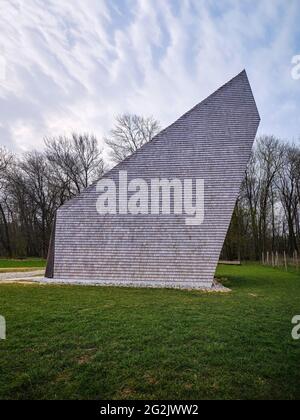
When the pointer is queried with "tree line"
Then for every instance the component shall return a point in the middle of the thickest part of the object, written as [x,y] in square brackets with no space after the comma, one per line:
[266,218]
[35,184]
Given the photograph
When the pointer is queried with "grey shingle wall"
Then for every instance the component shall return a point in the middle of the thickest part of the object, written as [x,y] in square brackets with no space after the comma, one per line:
[213,141]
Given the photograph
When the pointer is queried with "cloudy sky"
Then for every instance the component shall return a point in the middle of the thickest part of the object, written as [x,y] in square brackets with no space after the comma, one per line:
[73,65]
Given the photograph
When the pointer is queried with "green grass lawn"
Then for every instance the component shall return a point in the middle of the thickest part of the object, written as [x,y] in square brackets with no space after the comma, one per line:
[99,343]
[21,265]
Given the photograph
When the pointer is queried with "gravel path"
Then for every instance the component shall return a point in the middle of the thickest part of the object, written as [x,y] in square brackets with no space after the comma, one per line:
[17,276]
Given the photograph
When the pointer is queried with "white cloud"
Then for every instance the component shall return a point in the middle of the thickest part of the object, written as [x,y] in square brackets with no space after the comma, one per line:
[75,65]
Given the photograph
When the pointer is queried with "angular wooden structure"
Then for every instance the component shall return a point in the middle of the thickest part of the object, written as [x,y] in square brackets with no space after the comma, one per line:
[213,141]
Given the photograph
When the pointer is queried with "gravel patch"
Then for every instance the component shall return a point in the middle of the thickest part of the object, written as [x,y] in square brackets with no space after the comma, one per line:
[17,276]
[218,287]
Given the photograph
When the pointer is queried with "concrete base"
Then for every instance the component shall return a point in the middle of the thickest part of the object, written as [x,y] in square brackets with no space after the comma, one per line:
[147,284]
[210,287]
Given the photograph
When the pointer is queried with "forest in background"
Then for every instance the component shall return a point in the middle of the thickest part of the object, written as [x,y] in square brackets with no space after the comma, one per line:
[35,184]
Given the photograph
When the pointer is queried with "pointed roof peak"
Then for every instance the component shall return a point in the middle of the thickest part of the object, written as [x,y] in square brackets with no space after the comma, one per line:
[240,78]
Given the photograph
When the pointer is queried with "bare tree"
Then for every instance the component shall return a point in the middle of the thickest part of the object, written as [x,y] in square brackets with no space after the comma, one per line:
[297,177]
[41,192]
[270,153]
[35,185]
[77,161]
[6,160]
[261,215]
[288,185]
[129,134]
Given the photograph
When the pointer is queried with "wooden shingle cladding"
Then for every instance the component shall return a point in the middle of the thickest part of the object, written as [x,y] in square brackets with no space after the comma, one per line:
[213,141]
